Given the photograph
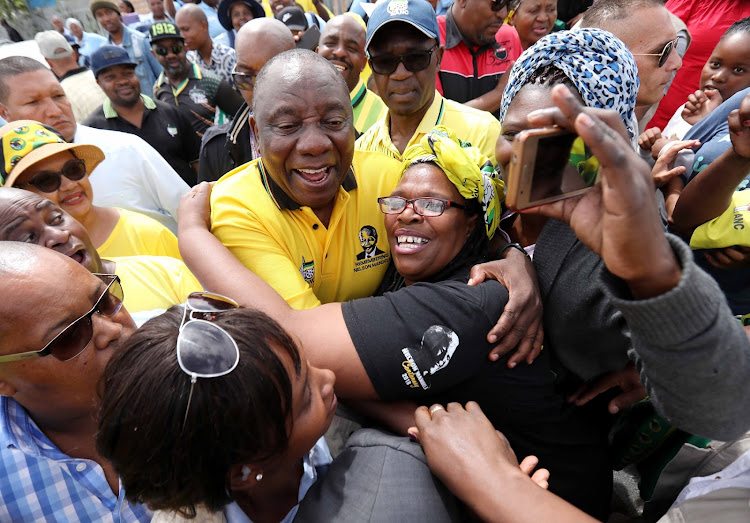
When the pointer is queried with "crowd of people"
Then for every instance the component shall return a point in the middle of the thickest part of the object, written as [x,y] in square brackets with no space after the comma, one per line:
[212,235]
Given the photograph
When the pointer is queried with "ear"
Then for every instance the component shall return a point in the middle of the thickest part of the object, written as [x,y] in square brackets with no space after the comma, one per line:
[154,54]
[4,112]
[439,53]
[254,128]
[243,476]
[6,389]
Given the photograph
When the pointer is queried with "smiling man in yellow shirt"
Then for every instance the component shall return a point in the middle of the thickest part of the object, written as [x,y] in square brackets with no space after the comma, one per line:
[301,216]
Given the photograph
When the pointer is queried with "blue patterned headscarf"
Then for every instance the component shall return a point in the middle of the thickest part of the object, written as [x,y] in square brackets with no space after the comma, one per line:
[596,61]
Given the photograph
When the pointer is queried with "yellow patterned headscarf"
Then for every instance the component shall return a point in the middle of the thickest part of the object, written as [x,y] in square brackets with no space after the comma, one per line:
[466,167]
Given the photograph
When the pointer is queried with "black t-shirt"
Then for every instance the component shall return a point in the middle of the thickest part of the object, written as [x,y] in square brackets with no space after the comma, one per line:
[427,343]
[165,129]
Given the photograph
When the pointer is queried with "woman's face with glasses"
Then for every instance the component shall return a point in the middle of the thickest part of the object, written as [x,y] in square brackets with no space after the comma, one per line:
[73,194]
[49,297]
[421,246]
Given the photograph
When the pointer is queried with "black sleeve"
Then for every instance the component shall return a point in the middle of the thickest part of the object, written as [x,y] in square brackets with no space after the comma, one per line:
[214,160]
[95,118]
[424,338]
[191,142]
[228,99]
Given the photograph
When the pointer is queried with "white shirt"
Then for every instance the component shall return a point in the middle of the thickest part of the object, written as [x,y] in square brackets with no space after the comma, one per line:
[133,176]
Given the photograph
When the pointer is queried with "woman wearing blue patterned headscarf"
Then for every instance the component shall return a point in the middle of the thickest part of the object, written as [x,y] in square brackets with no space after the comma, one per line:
[597,64]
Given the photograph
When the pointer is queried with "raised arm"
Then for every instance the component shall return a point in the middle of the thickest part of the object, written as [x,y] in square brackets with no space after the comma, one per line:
[321,330]
[709,194]
[686,340]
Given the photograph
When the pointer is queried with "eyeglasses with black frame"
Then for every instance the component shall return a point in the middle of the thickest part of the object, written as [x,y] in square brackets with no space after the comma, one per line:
[428,207]
[415,61]
[164,51]
[499,5]
[50,181]
[243,81]
[665,52]
[73,339]
[205,350]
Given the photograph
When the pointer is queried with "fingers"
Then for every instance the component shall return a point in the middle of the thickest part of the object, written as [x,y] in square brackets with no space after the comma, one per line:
[528,464]
[477,276]
[589,391]
[530,346]
[541,478]
[626,399]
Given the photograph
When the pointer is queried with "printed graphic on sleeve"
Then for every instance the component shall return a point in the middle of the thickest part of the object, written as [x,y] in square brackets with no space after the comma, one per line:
[307,270]
[438,345]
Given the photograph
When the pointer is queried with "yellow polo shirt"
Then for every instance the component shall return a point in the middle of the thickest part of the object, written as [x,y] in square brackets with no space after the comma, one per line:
[285,243]
[136,234]
[367,107]
[154,282]
[479,128]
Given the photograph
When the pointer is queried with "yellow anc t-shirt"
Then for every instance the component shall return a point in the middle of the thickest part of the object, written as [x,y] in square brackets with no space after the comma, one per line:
[479,128]
[154,282]
[136,234]
[286,245]
[732,227]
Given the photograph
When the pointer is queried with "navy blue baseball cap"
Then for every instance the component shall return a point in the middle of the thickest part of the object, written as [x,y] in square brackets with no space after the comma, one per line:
[107,56]
[222,11]
[417,13]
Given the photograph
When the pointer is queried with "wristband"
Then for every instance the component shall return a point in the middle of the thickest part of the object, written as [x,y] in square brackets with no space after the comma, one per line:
[514,245]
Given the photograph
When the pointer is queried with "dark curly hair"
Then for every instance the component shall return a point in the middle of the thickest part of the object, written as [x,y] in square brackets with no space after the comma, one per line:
[243,417]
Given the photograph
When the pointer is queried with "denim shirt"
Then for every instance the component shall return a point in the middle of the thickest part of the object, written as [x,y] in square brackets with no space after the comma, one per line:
[139,51]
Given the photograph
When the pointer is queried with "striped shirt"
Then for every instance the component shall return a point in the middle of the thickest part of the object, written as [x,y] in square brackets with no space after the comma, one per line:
[367,106]
[38,482]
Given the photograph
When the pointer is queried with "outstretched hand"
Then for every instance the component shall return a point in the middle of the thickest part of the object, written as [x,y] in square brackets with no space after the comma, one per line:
[461,443]
[617,218]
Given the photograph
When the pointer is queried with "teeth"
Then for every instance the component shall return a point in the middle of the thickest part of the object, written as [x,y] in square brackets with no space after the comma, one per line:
[312,171]
[409,241]
[339,67]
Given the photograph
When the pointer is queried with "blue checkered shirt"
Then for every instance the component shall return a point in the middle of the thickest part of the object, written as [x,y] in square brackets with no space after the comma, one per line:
[40,483]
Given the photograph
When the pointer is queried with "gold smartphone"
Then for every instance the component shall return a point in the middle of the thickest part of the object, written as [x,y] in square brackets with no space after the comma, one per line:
[546,165]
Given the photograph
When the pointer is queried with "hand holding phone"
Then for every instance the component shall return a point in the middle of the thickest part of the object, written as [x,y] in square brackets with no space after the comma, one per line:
[546,165]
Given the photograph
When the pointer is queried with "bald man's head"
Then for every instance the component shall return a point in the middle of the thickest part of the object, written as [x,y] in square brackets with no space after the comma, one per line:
[191,11]
[290,68]
[342,43]
[257,42]
[193,26]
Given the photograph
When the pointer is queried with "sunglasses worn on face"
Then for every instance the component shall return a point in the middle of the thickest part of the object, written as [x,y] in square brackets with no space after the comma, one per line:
[499,5]
[50,181]
[74,338]
[164,51]
[205,350]
[429,207]
[664,55]
[414,62]
[243,81]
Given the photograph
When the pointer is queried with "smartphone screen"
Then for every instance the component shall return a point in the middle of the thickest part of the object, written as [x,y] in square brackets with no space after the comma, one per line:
[563,165]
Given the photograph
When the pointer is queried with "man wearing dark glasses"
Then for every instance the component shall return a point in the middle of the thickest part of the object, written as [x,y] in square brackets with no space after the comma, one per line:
[198,93]
[126,109]
[230,145]
[405,55]
[56,336]
[474,59]
[154,283]
[646,29]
